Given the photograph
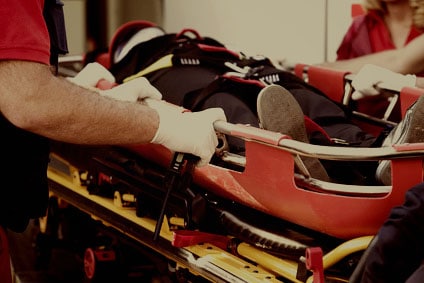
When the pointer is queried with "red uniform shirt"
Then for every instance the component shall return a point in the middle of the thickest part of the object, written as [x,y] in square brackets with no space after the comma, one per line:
[24,35]
[369,34]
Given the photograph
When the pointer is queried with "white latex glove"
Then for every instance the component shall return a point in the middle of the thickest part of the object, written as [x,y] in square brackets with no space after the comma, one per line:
[91,74]
[94,73]
[367,79]
[188,132]
[133,90]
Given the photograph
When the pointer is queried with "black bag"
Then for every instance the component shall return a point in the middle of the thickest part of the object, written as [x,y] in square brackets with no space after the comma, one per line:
[23,177]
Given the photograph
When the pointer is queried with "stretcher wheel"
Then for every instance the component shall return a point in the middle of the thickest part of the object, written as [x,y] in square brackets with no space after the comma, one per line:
[89,263]
[100,264]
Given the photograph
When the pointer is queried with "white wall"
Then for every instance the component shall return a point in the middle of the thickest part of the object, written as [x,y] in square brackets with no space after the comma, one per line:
[122,11]
[339,19]
[307,31]
[74,11]
[296,30]
[118,12]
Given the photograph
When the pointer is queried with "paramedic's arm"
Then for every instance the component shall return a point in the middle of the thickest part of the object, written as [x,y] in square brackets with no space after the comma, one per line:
[35,100]
[406,60]
[420,82]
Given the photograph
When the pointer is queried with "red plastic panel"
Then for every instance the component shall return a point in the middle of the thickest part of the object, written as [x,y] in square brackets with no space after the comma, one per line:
[329,81]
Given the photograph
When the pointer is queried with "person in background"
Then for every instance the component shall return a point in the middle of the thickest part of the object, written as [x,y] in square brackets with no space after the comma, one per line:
[389,35]
[385,25]
[405,60]
[395,67]
[37,106]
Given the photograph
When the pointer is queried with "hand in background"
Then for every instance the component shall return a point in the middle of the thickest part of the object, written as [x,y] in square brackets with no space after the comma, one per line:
[97,78]
[367,80]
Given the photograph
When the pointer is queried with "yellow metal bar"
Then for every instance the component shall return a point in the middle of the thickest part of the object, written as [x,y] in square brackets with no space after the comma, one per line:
[346,249]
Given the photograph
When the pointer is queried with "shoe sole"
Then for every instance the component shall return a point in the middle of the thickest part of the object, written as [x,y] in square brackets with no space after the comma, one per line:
[270,102]
[415,130]
[413,133]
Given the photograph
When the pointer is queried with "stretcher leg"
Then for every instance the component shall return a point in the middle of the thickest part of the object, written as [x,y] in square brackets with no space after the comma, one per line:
[314,263]
[176,178]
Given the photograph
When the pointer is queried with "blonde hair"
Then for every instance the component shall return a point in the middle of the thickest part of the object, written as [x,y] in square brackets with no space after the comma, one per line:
[373,5]
[416,5]
[418,17]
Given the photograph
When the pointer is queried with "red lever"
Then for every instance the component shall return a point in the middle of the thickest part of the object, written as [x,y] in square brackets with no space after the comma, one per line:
[315,264]
[184,238]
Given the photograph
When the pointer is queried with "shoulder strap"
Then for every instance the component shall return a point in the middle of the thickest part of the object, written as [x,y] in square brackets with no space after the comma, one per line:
[55,21]
[244,88]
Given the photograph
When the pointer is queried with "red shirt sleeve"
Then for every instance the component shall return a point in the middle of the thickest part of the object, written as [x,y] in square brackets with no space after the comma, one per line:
[24,35]
[356,41]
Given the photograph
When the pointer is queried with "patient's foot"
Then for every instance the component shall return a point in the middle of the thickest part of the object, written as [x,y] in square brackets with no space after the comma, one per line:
[409,130]
[278,111]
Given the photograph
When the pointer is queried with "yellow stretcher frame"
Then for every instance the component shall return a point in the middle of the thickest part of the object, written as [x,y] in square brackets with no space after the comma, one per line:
[205,260]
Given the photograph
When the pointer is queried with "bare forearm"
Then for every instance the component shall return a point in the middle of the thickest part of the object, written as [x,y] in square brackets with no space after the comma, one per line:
[110,121]
[420,82]
[60,110]
[386,59]
[406,60]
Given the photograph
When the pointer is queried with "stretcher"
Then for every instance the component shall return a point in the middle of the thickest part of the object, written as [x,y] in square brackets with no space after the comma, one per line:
[244,218]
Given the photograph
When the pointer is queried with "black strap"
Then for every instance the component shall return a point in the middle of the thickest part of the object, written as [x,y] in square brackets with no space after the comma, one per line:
[55,21]
[238,86]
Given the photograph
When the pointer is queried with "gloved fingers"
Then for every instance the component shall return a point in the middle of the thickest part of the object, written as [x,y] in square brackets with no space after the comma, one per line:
[91,74]
[187,132]
[365,81]
[134,90]
[145,88]
[370,76]
[208,116]
[357,95]
[399,81]
[163,107]
[200,134]
[213,114]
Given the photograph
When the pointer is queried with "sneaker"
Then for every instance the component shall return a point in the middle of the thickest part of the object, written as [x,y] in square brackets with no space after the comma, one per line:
[278,111]
[409,130]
